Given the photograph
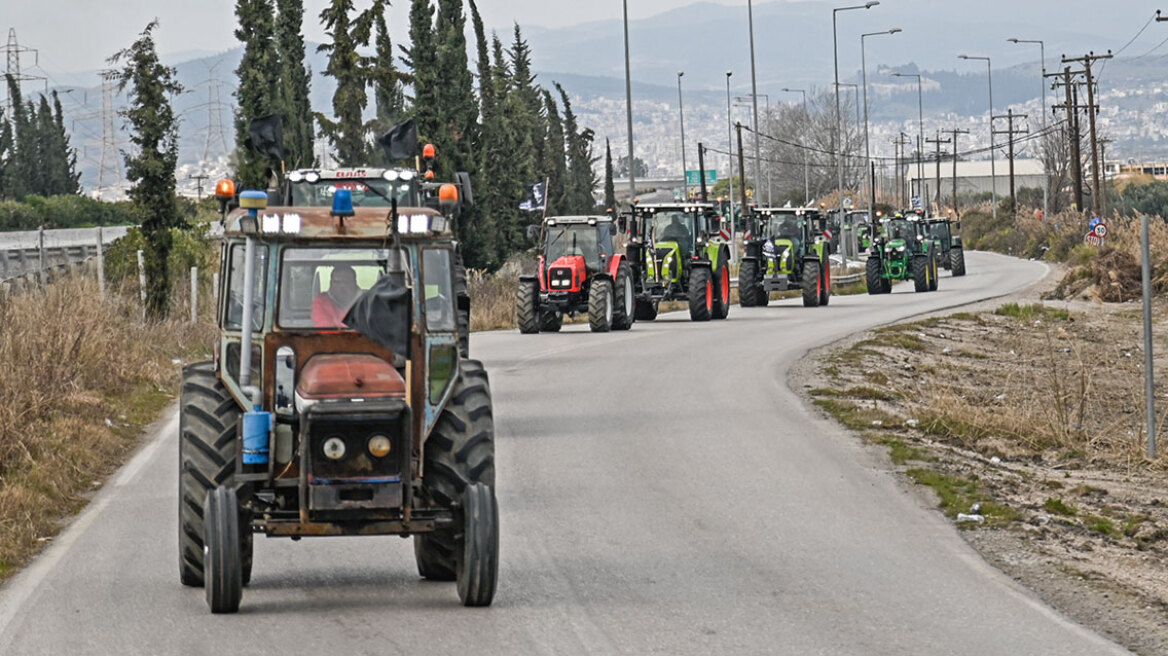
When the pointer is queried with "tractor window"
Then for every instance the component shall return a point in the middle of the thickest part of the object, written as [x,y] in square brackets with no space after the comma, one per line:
[939,230]
[319,285]
[576,239]
[320,194]
[784,227]
[899,230]
[436,275]
[234,319]
[674,226]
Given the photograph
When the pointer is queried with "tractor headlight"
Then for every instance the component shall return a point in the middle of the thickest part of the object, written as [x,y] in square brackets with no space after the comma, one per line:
[379,446]
[900,249]
[333,448]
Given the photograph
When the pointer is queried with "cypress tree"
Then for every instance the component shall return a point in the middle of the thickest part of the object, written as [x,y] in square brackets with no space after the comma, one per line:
[528,120]
[581,179]
[554,157]
[422,59]
[388,98]
[295,84]
[68,174]
[6,160]
[508,150]
[257,92]
[34,149]
[609,187]
[348,68]
[154,133]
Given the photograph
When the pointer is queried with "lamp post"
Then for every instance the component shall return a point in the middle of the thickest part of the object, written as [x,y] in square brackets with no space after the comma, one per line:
[867,148]
[806,165]
[1042,53]
[754,97]
[839,122]
[629,109]
[993,155]
[757,129]
[681,116]
[730,151]
[920,135]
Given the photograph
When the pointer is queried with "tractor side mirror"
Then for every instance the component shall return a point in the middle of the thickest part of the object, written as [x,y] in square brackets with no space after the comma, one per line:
[533,234]
[466,195]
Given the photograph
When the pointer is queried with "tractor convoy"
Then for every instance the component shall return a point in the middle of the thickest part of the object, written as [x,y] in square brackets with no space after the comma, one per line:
[786,249]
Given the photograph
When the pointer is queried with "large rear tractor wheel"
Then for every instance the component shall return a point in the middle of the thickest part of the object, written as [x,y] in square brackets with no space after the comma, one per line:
[874,276]
[206,459]
[550,321]
[646,310]
[462,300]
[957,261]
[825,288]
[748,288]
[624,313]
[224,557]
[459,453]
[934,272]
[922,269]
[527,307]
[722,293]
[600,305]
[812,283]
[701,294]
[478,568]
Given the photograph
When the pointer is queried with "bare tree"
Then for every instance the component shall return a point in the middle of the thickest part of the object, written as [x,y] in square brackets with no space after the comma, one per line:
[803,143]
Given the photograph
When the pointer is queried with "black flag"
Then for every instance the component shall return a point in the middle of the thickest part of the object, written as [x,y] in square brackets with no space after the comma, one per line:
[401,142]
[383,315]
[266,136]
[536,198]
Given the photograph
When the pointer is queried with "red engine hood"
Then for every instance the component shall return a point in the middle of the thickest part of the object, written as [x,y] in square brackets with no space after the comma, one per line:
[573,262]
[349,375]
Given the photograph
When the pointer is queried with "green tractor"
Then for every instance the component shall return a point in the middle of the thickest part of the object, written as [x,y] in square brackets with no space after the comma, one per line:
[786,249]
[951,249]
[903,250]
[338,402]
[679,252]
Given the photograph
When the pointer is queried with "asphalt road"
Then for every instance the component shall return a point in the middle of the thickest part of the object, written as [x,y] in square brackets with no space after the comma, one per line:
[662,491]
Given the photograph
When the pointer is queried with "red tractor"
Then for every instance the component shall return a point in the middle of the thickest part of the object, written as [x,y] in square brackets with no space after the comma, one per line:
[579,272]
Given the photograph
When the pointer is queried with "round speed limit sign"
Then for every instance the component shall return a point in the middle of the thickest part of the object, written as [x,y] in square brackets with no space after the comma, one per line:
[1101,230]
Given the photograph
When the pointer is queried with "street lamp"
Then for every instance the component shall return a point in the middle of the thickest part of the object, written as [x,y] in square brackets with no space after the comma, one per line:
[681,115]
[730,153]
[993,155]
[1042,53]
[839,121]
[920,136]
[754,96]
[757,130]
[806,166]
[868,172]
[629,109]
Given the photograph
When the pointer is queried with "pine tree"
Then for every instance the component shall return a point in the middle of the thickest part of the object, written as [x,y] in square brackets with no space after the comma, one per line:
[422,59]
[295,85]
[528,121]
[257,93]
[609,187]
[6,156]
[67,173]
[581,179]
[389,101]
[554,158]
[154,134]
[348,67]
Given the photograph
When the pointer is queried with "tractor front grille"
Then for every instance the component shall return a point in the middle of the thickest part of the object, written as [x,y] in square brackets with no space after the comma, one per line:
[559,279]
[353,424]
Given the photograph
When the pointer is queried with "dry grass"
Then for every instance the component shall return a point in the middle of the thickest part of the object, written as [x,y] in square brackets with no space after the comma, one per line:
[79,377]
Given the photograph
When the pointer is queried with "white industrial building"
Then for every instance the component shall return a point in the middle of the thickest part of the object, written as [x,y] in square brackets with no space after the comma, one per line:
[975,177]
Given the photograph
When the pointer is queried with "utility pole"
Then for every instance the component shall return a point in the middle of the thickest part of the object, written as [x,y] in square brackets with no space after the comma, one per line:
[111,162]
[1071,87]
[1092,110]
[746,215]
[702,171]
[1010,132]
[13,51]
[629,110]
[902,168]
[199,183]
[955,132]
[1103,158]
[938,141]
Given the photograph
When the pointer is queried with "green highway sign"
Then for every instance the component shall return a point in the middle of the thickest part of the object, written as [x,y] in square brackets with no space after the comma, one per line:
[691,177]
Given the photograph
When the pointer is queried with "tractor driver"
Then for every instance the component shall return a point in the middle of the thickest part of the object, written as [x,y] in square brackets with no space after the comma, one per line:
[329,308]
[678,232]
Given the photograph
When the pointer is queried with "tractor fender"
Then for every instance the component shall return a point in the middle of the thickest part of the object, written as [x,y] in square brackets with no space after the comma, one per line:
[614,263]
[957,243]
[541,272]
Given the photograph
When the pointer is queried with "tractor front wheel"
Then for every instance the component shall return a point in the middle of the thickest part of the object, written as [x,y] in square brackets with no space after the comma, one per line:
[701,294]
[646,310]
[874,276]
[550,321]
[957,261]
[600,302]
[722,293]
[527,307]
[206,460]
[478,567]
[459,452]
[922,268]
[624,314]
[224,557]
[825,289]
[935,272]
[748,287]
[812,283]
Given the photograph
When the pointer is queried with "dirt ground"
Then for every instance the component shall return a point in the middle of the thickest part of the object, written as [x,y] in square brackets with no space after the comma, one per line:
[1033,410]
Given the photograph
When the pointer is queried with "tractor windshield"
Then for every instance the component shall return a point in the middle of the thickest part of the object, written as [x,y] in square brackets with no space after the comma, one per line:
[574,239]
[783,227]
[320,193]
[319,285]
[899,229]
[939,230]
[674,226]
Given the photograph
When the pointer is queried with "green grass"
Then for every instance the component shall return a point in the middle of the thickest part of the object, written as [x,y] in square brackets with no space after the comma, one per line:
[1060,507]
[958,494]
[855,417]
[901,453]
[1102,525]
[1031,312]
[862,392]
[904,340]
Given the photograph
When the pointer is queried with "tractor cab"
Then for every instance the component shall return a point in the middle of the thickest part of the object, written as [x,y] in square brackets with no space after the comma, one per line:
[338,401]
[783,243]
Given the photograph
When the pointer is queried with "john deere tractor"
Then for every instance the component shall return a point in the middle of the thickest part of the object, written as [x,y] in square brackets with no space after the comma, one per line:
[579,273]
[337,403]
[951,251]
[785,249]
[903,250]
[678,253]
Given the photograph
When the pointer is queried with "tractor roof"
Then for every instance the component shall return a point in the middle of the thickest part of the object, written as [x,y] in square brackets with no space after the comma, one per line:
[799,211]
[356,173]
[684,207]
[318,224]
[567,220]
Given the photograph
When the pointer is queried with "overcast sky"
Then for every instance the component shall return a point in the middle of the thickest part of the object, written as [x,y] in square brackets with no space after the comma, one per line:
[78,35]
